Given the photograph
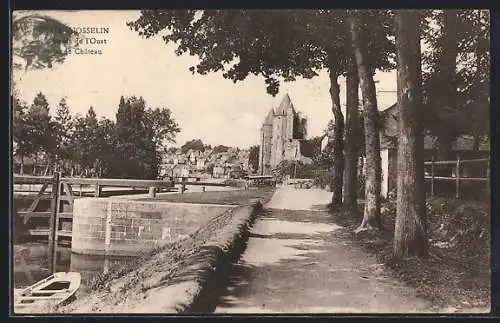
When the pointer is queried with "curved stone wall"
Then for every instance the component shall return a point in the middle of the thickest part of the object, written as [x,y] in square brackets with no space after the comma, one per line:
[127,228]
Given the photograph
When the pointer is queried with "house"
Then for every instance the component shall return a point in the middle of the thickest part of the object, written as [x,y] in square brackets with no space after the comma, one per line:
[462,146]
[192,155]
[219,171]
[200,163]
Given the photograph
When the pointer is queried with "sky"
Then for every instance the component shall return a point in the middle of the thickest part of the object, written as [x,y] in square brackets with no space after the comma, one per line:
[207,107]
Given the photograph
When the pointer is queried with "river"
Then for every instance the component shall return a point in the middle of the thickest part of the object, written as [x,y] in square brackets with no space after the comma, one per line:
[31,264]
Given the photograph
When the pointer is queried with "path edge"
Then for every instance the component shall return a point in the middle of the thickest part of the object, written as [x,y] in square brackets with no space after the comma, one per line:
[219,253]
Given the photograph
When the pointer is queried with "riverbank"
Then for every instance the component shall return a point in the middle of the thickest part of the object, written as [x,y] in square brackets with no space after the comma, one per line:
[175,273]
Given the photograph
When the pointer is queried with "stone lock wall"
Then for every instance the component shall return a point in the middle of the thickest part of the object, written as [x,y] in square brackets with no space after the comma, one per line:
[126,227]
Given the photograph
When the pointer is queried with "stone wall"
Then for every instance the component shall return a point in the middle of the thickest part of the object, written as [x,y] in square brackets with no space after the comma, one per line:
[126,228]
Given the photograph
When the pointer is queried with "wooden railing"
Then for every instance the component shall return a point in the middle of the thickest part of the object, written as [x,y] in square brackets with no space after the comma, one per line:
[458,178]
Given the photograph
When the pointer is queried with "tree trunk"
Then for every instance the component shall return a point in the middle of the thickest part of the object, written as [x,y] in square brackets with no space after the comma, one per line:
[352,140]
[410,233]
[338,141]
[371,216]
[447,78]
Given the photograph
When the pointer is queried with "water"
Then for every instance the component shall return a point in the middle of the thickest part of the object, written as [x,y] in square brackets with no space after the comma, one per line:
[31,264]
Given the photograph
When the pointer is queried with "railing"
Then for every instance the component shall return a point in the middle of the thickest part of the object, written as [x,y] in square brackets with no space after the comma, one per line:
[458,178]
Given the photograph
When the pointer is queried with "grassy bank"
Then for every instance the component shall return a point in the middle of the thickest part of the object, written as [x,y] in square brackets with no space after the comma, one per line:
[126,286]
[237,197]
[456,275]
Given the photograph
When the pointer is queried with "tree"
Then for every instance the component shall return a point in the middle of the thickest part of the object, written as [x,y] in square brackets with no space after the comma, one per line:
[220,149]
[162,125]
[86,148]
[456,76]
[275,44]
[106,154]
[195,144]
[410,236]
[63,127]
[352,134]
[371,216]
[39,127]
[23,141]
[140,134]
[131,140]
[253,157]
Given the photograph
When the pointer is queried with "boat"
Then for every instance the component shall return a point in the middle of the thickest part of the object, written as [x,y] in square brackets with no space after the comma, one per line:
[49,292]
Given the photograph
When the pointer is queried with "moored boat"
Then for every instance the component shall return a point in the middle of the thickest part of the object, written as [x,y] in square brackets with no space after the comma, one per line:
[42,296]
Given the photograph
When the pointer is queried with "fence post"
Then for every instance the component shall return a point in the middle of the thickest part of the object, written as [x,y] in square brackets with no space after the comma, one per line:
[432,176]
[98,190]
[457,188]
[152,191]
[53,222]
[183,184]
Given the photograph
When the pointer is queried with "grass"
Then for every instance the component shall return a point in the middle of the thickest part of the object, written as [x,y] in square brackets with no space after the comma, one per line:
[236,197]
[457,272]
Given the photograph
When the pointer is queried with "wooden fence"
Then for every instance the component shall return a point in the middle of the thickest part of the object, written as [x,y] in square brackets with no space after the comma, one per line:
[458,178]
[61,192]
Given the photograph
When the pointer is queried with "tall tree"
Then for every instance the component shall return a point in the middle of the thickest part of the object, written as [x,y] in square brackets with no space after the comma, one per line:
[162,125]
[39,127]
[131,139]
[359,35]
[86,148]
[63,127]
[22,139]
[446,78]
[456,69]
[352,144]
[410,235]
[253,157]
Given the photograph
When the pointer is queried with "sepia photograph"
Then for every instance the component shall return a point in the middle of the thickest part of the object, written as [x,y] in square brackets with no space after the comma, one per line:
[244,161]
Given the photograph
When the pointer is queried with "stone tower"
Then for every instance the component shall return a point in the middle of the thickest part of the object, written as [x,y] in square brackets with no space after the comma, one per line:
[280,135]
[266,133]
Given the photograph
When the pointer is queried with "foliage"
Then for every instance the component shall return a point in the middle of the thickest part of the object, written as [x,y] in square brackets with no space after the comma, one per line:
[471,78]
[63,126]
[277,44]
[293,169]
[253,157]
[92,146]
[220,149]
[24,145]
[134,141]
[195,144]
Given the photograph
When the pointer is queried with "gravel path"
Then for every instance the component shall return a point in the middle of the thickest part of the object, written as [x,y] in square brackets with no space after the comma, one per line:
[295,263]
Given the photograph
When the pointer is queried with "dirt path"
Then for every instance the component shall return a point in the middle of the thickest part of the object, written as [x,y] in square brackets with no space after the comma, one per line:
[294,263]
